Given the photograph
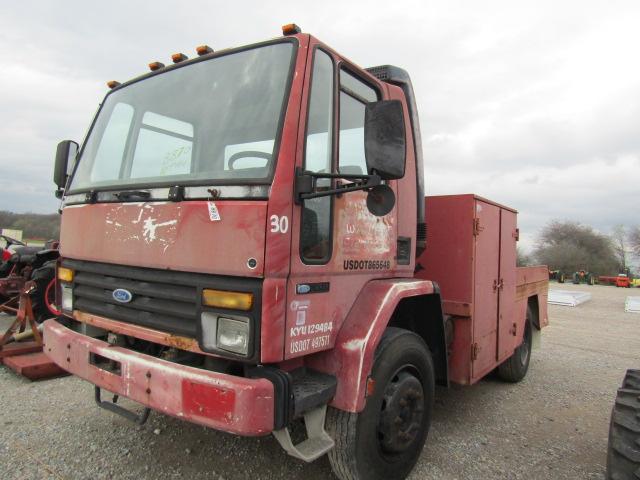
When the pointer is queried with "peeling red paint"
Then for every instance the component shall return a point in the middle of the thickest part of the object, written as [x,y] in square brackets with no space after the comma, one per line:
[229,403]
[166,234]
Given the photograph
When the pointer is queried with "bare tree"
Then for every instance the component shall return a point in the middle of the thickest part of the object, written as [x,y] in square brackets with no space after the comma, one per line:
[634,240]
[571,246]
[522,259]
[620,247]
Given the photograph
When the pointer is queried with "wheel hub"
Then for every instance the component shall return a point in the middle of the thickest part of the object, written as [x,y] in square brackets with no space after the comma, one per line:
[402,413]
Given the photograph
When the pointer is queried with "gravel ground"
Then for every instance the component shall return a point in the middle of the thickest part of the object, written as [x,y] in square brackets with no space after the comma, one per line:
[554,424]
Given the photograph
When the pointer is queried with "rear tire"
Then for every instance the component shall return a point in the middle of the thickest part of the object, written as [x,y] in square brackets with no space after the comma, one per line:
[623,454]
[516,366]
[385,440]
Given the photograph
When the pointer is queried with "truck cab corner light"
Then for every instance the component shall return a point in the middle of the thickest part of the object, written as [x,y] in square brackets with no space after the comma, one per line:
[179,57]
[203,50]
[113,84]
[65,274]
[291,29]
[230,300]
[153,66]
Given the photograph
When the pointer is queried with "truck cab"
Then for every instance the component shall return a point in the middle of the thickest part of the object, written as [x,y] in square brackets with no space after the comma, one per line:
[239,244]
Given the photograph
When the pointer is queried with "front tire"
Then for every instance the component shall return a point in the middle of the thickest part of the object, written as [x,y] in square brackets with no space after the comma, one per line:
[385,440]
[516,366]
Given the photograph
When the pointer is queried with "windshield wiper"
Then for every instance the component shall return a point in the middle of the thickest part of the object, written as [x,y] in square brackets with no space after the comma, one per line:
[131,194]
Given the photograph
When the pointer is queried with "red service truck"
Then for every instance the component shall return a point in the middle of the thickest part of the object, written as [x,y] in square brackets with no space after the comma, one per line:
[246,243]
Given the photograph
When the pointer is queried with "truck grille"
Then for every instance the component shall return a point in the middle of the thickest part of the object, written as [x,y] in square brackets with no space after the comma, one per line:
[162,299]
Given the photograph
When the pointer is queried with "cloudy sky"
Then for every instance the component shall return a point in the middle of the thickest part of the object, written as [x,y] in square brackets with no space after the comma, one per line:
[533,104]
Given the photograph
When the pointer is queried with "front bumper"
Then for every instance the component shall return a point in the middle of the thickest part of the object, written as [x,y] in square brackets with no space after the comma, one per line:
[232,404]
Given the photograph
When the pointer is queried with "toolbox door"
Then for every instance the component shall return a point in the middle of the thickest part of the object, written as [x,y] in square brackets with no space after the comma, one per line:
[485,294]
[508,326]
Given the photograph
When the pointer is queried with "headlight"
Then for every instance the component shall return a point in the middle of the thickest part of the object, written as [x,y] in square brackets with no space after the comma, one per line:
[223,333]
[233,335]
[67,298]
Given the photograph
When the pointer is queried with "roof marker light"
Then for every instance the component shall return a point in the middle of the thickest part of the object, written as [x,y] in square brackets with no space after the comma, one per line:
[113,84]
[179,57]
[203,50]
[291,29]
[153,66]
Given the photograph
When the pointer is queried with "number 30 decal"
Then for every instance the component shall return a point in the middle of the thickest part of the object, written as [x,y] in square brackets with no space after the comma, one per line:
[279,224]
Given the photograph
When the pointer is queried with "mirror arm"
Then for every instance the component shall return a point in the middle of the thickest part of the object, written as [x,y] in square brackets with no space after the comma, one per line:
[305,187]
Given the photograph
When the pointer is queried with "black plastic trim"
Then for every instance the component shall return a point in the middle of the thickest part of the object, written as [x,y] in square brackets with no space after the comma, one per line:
[283,402]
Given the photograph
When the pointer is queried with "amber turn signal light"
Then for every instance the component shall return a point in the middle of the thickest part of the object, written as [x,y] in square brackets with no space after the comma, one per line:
[65,274]
[224,299]
[153,66]
[112,84]
[290,29]
[179,57]
[203,50]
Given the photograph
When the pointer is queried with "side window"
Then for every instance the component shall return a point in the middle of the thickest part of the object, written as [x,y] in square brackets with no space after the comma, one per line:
[354,94]
[315,237]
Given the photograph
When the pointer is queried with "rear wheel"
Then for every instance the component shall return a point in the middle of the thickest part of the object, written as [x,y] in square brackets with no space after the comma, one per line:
[385,440]
[623,455]
[516,366]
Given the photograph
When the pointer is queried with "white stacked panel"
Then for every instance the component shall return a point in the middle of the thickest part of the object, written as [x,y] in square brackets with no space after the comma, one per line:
[568,298]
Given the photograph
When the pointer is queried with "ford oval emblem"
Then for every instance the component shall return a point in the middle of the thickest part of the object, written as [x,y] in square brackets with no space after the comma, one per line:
[121,295]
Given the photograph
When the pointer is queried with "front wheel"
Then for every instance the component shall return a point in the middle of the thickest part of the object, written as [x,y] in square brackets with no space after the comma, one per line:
[385,440]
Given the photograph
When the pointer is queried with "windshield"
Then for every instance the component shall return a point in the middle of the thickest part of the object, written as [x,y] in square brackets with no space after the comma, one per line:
[214,121]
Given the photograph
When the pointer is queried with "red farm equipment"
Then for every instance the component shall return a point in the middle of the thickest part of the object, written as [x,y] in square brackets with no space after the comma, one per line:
[22,263]
[620,280]
[253,252]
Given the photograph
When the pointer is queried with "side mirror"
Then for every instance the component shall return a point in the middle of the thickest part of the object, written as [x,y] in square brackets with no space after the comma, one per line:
[65,158]
[384,139]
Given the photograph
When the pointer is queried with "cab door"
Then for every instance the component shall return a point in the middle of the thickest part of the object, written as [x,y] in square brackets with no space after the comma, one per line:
[337,245]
